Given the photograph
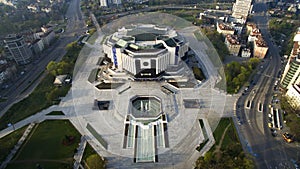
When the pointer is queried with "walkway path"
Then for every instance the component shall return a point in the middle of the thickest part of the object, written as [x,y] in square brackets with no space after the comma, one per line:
[218,147]
[17,146]
[80,150]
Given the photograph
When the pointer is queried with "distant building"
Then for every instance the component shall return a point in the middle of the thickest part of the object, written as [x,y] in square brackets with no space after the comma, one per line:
[254,35]
[291,74]
[250,26]
[294,94]
[233,44]
[260,48]
[246,53]
[7,69]
[38,46]
[238,28]
[46,28]
[33,8]
[103,3]
[224,29]
[17,49]
[116,2]
[48,37]
[27,36]
[45,9]
[241,8]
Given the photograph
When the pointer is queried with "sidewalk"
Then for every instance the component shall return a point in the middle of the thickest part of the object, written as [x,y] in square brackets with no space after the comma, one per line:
[39,117]
[80,150]
[17,146]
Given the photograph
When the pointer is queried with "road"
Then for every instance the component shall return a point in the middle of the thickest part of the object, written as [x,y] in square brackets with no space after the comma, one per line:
[269,152]
[23,86]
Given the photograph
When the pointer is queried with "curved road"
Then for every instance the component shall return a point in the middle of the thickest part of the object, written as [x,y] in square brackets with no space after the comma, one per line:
[257,139]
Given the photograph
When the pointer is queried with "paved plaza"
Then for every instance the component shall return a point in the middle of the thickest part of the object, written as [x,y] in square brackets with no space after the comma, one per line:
[105,129]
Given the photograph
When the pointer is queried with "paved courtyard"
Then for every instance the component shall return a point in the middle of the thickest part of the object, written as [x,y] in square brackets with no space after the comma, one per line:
[104,129]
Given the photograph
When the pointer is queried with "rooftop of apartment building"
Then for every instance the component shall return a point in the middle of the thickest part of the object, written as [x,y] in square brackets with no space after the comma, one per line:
[251,24]
[233,39]
[246,50]
[12,37]
[255,32]
[260,42]
[223,26]
[47,33]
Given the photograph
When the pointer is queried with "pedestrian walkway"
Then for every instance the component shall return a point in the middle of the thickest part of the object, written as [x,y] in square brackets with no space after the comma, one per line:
[80,150]
[36,118]
[17,146]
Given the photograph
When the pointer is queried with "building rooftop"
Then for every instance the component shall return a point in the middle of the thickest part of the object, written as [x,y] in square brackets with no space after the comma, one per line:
[250,24]
[233,39]
[297,37]
[255,32]
[223,26]
[12,37]
[260,42]
[246,50]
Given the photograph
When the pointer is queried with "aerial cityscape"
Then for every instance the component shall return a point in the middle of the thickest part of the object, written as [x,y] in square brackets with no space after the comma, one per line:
[149,84]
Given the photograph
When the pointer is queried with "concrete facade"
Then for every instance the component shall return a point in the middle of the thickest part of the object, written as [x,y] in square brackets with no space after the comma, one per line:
[17,49]
[143,56]
[291,72]
[260,48]
[233,44]
[294,94]
[225,29]
[241,8]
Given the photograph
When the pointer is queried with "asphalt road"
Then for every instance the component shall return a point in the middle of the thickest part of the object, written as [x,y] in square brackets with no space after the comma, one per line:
[268,152]
[34,73]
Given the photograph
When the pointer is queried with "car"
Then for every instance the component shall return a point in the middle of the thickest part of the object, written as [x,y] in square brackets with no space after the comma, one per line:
[287,137]
[270,125]
[274,132]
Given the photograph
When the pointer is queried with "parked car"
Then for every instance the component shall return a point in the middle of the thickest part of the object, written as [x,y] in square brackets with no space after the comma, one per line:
[287,137]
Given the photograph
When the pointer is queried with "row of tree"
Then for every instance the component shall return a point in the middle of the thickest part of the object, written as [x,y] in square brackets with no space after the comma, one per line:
[217,41]
[65,66]
[237,74]
[283,32]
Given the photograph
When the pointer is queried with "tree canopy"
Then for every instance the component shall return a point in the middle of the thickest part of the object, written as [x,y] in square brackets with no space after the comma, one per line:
[237,74]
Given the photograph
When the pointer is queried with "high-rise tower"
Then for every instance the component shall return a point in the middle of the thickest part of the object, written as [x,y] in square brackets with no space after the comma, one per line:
[17,49]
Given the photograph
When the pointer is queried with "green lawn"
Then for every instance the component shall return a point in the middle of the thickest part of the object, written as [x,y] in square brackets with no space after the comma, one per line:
[92,159]
[8,142]
[34,103]
[224,122]
[48,147]
[227,152]
[230,137]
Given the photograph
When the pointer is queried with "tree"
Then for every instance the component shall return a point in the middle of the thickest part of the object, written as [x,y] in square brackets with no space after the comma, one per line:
[51,68]
[71,46]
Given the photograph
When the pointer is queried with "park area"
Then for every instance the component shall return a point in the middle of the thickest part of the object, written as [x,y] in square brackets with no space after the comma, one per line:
[51,145]
[227,151]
